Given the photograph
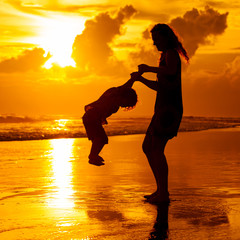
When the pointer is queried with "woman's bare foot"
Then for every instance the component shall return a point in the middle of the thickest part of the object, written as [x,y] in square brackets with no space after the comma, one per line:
[157,199]
[150,195]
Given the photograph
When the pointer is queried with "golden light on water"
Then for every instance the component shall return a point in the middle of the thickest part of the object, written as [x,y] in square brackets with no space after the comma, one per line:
[61,123]
[62,153]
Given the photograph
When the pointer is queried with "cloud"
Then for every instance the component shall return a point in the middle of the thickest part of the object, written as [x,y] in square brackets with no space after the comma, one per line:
[213,93]
[156,17]
[91,49]
[26,8]
[41,8]
[232,72]
[224,5]
[206,89]
[196,26]
[28,60]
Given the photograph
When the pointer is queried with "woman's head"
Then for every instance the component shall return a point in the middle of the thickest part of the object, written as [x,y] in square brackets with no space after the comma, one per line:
[164,38]
[128,98]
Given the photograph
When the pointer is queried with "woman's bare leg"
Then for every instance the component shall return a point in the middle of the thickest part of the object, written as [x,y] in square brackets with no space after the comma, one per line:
[154,147]
[147,149]
[160,168]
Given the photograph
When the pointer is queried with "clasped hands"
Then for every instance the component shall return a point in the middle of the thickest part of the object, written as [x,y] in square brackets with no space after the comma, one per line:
[136,76]
[142,68]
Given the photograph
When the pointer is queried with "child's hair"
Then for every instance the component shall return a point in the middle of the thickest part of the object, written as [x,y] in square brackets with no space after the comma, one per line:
[173,41]
[130,96]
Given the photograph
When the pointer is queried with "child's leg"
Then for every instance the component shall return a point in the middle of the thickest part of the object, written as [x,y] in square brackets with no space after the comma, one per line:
[97,146]
[94,158]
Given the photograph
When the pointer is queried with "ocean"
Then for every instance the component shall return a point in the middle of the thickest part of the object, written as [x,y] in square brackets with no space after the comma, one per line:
[49,191]
[18,128]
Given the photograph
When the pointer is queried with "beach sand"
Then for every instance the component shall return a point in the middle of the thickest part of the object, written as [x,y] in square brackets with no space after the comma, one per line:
[49,191]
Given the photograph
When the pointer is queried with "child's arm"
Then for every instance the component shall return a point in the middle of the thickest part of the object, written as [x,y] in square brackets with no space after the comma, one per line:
[127,84]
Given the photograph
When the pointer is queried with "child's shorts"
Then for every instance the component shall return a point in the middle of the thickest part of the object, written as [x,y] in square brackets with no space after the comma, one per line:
[93,125]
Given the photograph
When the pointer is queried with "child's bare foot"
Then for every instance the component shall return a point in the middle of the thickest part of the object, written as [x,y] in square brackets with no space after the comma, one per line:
[96,160]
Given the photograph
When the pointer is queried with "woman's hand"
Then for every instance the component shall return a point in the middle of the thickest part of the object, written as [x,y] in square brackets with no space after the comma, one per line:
[142,68]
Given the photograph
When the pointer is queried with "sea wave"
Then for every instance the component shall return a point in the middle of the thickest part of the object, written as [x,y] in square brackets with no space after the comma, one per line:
[15,119]
[17,128]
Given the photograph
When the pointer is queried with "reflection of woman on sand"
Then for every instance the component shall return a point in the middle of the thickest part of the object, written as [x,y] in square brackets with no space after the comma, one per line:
[168,107]
[160,228]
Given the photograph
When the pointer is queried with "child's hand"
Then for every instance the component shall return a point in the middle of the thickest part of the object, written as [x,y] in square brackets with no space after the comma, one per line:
[142,68]
[135,76]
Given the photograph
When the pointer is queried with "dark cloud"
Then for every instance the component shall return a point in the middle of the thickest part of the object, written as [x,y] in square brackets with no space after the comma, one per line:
[194,29]
[209,87]
[91,49]
[196,26]
[27,60]
[146,34]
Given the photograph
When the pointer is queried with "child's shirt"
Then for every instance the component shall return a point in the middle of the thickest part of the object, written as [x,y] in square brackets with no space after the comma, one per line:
[106,104]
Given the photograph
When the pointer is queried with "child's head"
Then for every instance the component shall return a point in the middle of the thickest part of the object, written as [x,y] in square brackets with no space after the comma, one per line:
[127,98]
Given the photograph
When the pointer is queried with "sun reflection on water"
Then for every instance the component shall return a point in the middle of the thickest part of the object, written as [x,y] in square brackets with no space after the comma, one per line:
[62,153]
[60,124]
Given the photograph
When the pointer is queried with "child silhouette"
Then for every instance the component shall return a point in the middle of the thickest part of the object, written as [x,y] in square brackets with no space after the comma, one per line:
[97,112]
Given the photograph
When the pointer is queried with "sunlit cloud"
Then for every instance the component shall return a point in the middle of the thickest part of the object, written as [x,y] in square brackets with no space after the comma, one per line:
[28,60]
[91,49]
[44,7]
[107,40]
[224,5]
[40,23]
[15,26]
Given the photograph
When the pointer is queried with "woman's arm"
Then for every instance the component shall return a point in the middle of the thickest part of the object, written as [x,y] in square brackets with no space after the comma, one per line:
[136,76]
[149,83]
[172,59]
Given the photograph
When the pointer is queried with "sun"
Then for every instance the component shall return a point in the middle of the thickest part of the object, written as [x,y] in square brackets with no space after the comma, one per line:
[57,35]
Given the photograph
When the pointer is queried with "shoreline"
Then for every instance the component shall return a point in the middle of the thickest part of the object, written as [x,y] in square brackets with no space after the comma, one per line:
[121,134]
[112,135]
[73,128]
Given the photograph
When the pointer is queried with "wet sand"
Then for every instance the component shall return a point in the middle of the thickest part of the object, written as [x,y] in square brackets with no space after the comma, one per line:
[49,191]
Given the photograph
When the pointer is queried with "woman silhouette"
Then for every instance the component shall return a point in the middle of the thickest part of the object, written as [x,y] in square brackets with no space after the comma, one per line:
[168,106]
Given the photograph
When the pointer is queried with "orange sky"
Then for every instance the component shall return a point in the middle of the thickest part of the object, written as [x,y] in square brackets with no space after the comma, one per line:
[57,56]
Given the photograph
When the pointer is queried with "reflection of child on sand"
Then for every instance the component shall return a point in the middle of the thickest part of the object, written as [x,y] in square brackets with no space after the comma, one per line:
[97,112]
